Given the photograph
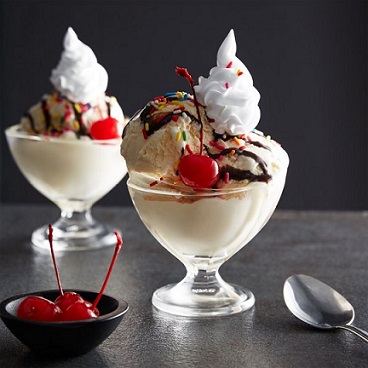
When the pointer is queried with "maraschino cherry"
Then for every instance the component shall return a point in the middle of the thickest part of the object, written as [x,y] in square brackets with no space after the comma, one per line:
[105,129]
[196,170]
[69,306]
[36,308]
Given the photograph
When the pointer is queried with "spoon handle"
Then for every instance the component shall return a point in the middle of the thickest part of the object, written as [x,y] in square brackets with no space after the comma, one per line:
[357,331]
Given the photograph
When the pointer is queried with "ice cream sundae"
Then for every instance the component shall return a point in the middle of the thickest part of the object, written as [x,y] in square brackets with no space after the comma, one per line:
[204,180]
[78,107]
[67,145]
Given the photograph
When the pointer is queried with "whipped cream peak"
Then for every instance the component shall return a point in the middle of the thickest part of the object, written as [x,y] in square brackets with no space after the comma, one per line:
[228,94]
[79,76]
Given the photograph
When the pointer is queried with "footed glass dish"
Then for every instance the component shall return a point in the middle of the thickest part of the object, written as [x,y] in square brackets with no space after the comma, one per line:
[74,174]
[203,229]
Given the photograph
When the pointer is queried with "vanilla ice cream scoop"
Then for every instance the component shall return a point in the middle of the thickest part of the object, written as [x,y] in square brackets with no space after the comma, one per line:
[79,76]
[167,129]
[228,93]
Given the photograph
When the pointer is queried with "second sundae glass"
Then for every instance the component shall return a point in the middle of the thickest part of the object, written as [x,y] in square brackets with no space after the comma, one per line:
[203,229]
[74,175]
[67,147]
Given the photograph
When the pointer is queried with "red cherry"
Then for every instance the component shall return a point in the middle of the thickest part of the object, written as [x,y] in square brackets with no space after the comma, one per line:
[79,311]
[198,171]
[36,308]
[105,129]
[69,306]
[67,299]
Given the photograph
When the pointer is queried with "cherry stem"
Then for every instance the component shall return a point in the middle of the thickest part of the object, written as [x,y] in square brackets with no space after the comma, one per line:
[119,243]
[54,261]
[183,72]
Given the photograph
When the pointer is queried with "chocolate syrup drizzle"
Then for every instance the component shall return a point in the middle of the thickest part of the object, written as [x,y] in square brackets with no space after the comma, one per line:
[154,125]
[46,113]
[238,174]
[31,120]
[77,113]
[233,173]
[227,137]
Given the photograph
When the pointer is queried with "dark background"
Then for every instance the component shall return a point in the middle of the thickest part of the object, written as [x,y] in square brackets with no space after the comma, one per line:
[308,59]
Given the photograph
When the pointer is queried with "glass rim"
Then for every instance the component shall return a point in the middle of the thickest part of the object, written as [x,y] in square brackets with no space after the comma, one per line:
[14,132]
[182,191]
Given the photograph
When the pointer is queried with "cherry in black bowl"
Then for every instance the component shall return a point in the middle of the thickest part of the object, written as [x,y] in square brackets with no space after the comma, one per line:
[64,338]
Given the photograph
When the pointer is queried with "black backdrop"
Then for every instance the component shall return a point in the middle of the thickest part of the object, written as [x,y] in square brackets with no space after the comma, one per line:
[308,60]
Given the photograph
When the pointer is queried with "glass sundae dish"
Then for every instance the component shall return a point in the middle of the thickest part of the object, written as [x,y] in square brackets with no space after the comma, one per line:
[204,181]
[67,147]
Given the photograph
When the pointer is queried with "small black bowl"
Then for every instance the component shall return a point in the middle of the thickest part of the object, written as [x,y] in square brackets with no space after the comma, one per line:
[64,338]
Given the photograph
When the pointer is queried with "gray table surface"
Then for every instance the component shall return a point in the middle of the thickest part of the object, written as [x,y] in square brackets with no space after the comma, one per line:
[331,246]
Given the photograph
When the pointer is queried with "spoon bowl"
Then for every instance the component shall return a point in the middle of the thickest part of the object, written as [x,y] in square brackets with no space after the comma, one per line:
[64,338]
[318,305]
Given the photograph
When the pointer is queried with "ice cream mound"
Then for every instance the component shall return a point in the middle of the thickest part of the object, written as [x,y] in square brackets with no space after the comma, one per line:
[167,129]
[206,139]
[78,108]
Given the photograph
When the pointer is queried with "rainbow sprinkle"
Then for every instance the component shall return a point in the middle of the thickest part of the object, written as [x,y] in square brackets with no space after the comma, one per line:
[227,178]
[218,146]
[236,140]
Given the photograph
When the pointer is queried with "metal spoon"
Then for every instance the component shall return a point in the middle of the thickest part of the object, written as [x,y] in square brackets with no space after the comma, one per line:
[319,305]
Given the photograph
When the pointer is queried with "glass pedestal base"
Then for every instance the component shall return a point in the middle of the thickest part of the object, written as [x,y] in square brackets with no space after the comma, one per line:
[75,231]
[193,299]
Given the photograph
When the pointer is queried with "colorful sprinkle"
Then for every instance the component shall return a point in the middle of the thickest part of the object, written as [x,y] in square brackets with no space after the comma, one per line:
[153,183]
[177,181]
[220,158]
[229,65]
[227,178]
[268,138]
[226,85]
[77,108]
[232,153]
[177,103]
[239,73]
[184,135]
[178,136]
[236,140]
[146,127]
[144,134]
[218,146]
[175,117]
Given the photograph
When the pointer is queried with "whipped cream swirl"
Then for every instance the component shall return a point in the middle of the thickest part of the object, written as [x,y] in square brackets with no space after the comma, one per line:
[228,94]
[78,75]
